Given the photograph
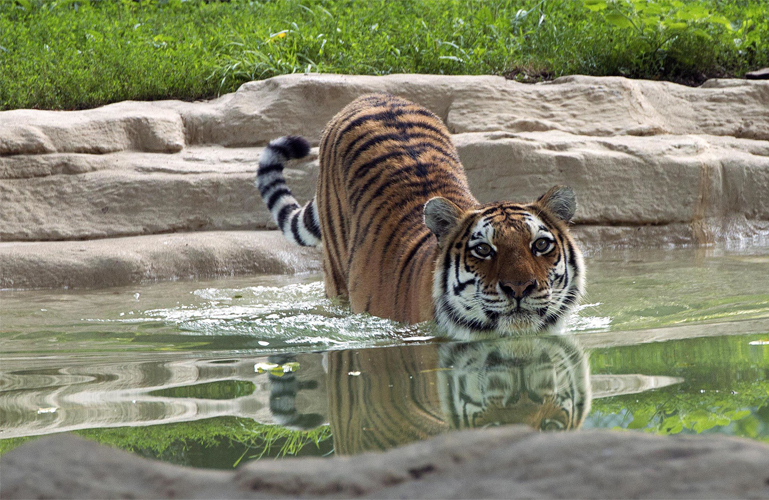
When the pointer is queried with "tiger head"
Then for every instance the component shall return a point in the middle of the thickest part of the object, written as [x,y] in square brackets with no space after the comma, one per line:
[505,268]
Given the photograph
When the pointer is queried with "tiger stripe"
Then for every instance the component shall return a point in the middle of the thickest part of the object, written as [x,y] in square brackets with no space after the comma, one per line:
[401,395]
[299,224]
[369,412]
[543,382]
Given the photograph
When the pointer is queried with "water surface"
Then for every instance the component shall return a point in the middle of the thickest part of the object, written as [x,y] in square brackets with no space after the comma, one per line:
[215,373]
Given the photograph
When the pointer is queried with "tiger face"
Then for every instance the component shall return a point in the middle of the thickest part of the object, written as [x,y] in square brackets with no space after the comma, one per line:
[504,268]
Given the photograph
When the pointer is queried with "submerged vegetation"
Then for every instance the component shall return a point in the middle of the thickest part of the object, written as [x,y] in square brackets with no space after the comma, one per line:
[724,389]
[223,442]
[215,443]
[68,54]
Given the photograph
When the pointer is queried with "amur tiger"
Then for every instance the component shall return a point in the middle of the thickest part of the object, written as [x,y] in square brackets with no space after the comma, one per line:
[403,237]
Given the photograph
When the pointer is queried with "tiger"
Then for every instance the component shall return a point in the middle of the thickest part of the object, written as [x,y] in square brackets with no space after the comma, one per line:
[403,237]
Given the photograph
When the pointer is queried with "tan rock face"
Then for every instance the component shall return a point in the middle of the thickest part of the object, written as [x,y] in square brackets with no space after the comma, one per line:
[66,196]
[637,152]
[651,162]
[580,105]
[117,127]
[123,261]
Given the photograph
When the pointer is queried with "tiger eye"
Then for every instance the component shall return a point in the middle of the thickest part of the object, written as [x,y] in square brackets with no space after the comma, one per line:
[482,250]
[542,245]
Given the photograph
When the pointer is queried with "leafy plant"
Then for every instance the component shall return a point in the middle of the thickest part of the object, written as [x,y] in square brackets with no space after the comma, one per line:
[724,387]
[740,412]
[655,25]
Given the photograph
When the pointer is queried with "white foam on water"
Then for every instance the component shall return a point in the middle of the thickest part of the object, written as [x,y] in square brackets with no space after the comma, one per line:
[580,323]
[291,314]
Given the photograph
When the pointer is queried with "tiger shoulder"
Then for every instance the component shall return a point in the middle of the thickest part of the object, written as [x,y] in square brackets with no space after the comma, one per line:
[403,237]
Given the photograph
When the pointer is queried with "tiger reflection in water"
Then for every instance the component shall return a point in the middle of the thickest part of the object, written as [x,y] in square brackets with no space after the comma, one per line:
[376,399]
[541,382]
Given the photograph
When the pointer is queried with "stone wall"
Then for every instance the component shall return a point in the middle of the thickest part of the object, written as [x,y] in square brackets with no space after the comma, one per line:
[651,162]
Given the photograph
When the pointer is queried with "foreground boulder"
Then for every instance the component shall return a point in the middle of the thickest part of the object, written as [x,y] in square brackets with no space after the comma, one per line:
[509,462]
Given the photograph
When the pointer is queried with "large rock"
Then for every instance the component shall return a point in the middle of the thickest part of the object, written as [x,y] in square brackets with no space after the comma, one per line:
[508,462]
[117,127]
[621,181]
[579,105]
[639,153]
[77,196]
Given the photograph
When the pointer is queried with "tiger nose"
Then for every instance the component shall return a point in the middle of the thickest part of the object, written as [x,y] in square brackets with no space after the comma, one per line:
[519,289]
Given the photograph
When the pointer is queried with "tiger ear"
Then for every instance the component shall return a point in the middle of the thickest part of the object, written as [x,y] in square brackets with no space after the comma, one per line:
[560,201]
[441,216]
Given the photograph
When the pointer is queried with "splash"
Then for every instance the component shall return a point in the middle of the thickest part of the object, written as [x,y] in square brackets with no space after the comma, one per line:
[295,314]
[580,323]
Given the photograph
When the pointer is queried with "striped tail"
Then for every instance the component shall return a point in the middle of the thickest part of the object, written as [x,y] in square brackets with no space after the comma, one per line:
[299,224]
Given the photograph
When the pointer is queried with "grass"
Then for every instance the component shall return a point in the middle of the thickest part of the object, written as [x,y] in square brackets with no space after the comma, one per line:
[69,54]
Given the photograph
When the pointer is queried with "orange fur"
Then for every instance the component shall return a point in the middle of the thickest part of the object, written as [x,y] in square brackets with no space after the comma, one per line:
[377,251]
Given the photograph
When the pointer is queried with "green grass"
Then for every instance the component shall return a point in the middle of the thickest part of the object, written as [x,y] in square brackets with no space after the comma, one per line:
[69,55]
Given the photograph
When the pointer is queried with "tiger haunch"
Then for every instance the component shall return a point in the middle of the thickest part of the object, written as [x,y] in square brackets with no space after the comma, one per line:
[403,237]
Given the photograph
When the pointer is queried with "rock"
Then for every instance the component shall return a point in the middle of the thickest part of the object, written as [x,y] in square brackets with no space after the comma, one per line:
[90,470]
[74,196]
[652,163]
[506,462]
[137,126]
[624,180]
[580,105]
[620,181]
[123,261]
[759,74]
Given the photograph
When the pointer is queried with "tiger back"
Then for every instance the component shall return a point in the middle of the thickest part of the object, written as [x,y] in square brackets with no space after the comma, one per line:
[381,159]
[404,238]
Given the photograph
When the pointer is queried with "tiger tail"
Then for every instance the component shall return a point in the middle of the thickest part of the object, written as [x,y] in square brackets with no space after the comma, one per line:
[298,224]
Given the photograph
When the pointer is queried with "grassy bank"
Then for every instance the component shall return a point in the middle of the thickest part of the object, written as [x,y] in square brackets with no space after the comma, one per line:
[68,55]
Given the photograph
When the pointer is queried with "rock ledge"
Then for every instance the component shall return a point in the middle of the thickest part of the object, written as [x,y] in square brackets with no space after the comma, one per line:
[508,462]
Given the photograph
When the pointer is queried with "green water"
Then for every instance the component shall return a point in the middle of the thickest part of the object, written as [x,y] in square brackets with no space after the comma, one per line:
[667,341]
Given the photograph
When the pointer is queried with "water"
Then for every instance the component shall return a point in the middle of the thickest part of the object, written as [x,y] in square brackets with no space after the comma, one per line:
[216,373]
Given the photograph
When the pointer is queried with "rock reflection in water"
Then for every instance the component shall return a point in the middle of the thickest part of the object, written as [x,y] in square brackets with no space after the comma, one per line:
[43,400]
